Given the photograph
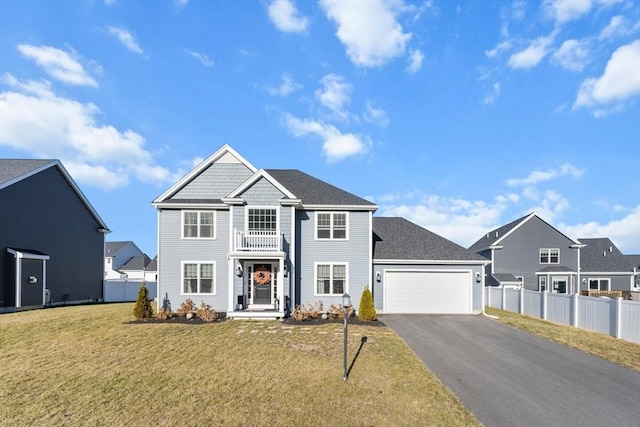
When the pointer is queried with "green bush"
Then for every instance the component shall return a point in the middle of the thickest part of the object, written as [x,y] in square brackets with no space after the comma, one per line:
[143,308]
[366,309]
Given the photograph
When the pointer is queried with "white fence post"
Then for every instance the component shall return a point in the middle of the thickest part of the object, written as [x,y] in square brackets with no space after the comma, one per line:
[521,301]
[617,311]
[544,305]
[574,310]
[504,297]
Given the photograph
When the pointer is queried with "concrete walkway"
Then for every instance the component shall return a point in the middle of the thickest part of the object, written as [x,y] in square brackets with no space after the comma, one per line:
[508,377]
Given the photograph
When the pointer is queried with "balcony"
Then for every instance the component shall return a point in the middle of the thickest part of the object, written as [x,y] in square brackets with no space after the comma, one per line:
[257,241]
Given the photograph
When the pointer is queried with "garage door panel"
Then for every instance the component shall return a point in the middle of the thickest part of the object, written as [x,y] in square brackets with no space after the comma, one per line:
[433,292]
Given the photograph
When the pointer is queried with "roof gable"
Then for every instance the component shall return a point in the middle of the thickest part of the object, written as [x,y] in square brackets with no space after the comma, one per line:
[261,174]
[224,155]
[13,171]
[396,238]
[112,248]
[601,255]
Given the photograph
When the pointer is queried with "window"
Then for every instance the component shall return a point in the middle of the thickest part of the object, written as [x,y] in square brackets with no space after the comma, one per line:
[262,220]
[331,225]
[331,279]
[599,284]
[198,225]
[198,278]
[542,283]
[549,256]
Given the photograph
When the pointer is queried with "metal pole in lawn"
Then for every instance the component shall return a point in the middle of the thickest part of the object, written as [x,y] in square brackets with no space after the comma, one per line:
[346,304]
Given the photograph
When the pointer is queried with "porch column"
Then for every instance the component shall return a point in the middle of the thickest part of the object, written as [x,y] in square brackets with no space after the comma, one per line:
[280,287]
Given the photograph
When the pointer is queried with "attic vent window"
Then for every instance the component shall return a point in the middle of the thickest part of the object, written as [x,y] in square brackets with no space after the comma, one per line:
[610,248]
[496,234]
[604,254]
[487,235]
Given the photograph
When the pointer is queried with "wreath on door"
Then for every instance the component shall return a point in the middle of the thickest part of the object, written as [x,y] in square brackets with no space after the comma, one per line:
[262,276]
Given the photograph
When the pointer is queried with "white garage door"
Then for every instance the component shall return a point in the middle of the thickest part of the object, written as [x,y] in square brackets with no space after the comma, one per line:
[435,292]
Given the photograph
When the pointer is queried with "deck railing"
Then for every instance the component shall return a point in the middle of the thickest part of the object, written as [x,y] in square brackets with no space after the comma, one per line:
[257,241]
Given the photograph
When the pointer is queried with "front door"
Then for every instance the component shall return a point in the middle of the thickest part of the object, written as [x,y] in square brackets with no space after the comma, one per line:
[261,281]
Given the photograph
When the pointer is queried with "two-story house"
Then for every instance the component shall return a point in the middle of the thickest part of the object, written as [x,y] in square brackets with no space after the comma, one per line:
[118,254]
[530,252]
[230,235]
[605,268]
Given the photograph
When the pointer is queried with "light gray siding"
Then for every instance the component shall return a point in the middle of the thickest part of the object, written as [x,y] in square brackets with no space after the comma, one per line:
[378,287]
[44,213]
[520,254]
[355,252]
[617,283]
[172,250]
[216,182]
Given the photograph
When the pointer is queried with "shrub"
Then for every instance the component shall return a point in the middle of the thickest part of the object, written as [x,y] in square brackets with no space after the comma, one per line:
[206,313]
[186,307]
[307,311]
[164,314]
[366,309]
[337,311]
[143,309]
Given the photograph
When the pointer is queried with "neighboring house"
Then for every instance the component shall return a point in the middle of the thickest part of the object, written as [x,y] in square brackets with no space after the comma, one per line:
[256,243]
[118,254]
[51,238]
[605,268]
[135,268]
[151,271]
[530,252]
[417,271]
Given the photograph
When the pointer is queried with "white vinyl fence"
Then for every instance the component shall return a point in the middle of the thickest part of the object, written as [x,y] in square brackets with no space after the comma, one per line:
[615,317]
[126,290]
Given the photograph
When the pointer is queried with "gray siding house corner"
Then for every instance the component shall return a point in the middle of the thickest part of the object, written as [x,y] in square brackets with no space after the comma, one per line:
[529,252]
[605,268]
[256,243]
[51,238]
[417,271]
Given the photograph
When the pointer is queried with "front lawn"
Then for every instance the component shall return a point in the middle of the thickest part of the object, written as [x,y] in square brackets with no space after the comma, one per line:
[86,366]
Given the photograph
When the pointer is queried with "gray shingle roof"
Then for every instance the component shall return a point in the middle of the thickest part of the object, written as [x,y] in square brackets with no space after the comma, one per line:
[396,238]
[312,191]
[556,269]
[136,263]
[112,248]
[11,169]
[153,265]
[601,255]
[494,235]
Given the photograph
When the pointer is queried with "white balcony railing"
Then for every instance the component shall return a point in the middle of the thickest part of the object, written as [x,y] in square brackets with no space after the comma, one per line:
[257,241]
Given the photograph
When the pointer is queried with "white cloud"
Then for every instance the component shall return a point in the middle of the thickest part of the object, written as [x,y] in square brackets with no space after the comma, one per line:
[335,94]
[573,55]
[620,81]
[415,63]
[376,115]
[618,26]
[500,47]
[518,9]
[550,205]
[533,54]
[336,145]
[126,38]
[624,232]
[538,176]
[58,64]
[202,57]
[285,16]
[37,121]
[287,86]
[493,94]
[368,29]
[566,10]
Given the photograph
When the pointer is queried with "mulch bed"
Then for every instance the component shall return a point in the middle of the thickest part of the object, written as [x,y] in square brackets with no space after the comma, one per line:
[285,321]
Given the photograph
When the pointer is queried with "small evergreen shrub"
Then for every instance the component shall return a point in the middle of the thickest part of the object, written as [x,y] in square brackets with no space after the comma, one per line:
[143,308]
[366,309]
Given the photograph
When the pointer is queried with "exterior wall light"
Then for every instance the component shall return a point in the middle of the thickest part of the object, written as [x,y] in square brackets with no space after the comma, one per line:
[378,277]
[478,277]
[239,270]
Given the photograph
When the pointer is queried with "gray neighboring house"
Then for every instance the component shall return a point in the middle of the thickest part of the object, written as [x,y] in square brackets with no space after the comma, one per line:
[530,252]
[116,255]
[605,268]
[255,243]
[51,238]
[417,271]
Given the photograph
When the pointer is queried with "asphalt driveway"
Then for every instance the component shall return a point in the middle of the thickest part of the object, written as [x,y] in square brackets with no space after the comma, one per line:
[508,377]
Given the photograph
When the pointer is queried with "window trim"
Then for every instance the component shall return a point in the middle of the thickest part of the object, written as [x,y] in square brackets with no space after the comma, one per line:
[199,224]
[331,265]
[250,207]
[548,255]
[199,264]
[331,226]
[542,281]
[599,279]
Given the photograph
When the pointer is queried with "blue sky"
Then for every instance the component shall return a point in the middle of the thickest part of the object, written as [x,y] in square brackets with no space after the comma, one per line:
[459,115]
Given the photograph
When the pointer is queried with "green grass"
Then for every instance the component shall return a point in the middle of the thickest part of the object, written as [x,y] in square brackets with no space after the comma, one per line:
[86,366]
[618,351]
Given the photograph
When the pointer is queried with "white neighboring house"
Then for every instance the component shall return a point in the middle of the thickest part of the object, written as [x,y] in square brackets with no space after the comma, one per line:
[151,271]
[135,268]
[117,255]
